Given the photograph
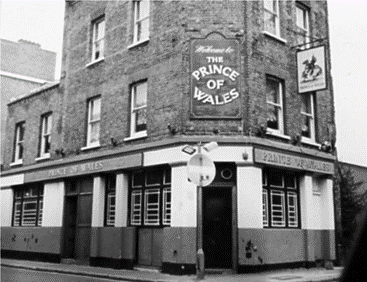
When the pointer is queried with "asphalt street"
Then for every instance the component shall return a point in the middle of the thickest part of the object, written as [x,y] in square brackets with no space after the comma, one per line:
[9,274]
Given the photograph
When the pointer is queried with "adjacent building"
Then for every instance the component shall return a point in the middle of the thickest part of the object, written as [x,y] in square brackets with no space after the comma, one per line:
[24,66]
[95,168]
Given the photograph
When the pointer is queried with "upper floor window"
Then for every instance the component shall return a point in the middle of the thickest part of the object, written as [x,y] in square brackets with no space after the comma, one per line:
[141,21]
[46,126]
[94,118]
[138,124]
[19,142]
[280,199]
[303,25]
[98,39]
[274,100]
[28,206]
[308,117]
[271,17]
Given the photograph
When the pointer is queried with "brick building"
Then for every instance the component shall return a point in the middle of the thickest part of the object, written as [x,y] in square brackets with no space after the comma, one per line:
[24,66]
[95,169]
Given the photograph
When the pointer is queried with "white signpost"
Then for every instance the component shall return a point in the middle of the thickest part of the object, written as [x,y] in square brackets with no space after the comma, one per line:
[201,171]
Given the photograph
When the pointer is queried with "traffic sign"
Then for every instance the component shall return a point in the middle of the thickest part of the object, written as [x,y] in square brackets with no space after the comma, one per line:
[200,170]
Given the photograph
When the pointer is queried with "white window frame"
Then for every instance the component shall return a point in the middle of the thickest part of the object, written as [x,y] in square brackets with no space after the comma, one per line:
[133,131]
[93,122]
[310,118]
[19,142]
[26,217]
[278,106]
[265,208]
[277,208]
[275,14]
[292,209]
[46,130]
[136,208]
[139,20]
[167,206]
[98,38]
[305,28]
[110,181]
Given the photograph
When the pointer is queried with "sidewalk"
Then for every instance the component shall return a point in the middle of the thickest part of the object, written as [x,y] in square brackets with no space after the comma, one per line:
[293,275]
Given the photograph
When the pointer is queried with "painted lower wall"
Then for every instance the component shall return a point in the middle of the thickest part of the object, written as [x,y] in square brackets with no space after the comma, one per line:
[32,239]
[279,246]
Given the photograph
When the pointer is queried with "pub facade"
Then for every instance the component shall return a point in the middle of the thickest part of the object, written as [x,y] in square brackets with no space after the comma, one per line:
[95,168]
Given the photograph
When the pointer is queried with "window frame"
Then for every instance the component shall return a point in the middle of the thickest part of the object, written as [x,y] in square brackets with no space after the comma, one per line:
[133,110]
[18,151]
[91,123]
[311,119]
[110,192]
[46,120]
[304,29]
[143,213]
[276,15]
[278,106]
[138,20]
[287,211]
[21,199]
[99,39]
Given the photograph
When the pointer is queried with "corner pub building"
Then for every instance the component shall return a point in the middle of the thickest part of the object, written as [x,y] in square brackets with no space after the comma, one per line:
[94,169]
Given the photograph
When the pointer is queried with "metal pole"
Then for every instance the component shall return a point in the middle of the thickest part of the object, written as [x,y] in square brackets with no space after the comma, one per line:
[200,258]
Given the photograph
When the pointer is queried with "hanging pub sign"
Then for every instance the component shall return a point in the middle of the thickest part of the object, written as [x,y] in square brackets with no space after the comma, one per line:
[215,77]
[311,69]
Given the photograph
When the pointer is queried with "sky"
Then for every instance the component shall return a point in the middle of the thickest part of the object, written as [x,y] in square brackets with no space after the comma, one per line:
[42,22]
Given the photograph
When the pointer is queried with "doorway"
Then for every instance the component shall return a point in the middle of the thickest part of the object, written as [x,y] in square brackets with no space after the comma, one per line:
[217,227]
[78,219]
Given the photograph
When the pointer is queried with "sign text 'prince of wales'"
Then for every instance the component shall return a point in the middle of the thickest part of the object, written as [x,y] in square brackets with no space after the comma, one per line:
[215,77]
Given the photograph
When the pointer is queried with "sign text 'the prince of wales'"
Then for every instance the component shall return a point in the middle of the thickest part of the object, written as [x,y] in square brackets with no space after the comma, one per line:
[215,76]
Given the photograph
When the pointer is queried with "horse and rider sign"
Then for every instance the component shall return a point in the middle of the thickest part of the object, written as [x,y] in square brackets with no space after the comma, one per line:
[311,69]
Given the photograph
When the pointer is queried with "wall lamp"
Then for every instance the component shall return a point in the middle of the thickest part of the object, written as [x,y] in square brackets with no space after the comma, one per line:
[60,152]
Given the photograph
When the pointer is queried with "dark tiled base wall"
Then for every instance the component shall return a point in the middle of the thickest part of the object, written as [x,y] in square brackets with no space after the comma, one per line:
[112,263]
[44,257]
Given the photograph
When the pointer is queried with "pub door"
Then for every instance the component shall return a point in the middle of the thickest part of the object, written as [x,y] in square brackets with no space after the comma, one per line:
[217,227]
[78,219]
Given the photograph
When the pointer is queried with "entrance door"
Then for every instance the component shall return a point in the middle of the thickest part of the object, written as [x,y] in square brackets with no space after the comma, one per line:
[217,227]
[78,219]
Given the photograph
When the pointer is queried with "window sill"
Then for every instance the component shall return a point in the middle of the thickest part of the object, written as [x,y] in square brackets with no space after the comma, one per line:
[95,62]
[310,142]
[274,36]
[18,162]
[90,147]
[138,43]
[137,136]
[44,157]
[277,134]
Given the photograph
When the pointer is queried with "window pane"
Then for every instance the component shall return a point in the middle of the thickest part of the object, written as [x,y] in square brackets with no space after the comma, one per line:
[136,207]
[138,179]
[143,9]
[111,206]
[140,120]
[290,180]
[94,132]
[140,95]
[167,206]
[270,22]
[95,108]
[272,117]
[154,177]
[40,212]
[300,17]
[272,91]
[292,210]
[306,128]
[275,178]
[151,212]
[306,104]
[167,176]
[277,208]
[29,213]
[265,208]
[17,211]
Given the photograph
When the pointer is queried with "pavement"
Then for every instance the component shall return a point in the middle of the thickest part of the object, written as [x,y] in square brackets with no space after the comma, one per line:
[292,275]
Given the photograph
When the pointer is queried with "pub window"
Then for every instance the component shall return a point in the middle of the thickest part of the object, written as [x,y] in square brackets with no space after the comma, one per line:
[110,200]
[141,21]
[28,205]
[280,199]
[19,142]
[45,136]
[271,17]
[274,100]
[150,197]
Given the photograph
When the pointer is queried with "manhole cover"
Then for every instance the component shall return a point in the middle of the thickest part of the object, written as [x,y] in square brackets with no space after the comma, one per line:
[288,277]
